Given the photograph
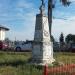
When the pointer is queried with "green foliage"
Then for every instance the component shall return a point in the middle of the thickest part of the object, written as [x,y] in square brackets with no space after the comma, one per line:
[69,38]
[52,39]
[61,39]
[65,2]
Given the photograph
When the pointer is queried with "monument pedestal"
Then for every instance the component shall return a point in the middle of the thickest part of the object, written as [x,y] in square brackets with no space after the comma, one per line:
[42,51]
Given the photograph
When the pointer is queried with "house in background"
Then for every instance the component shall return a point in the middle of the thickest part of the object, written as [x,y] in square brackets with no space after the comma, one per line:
[3,30]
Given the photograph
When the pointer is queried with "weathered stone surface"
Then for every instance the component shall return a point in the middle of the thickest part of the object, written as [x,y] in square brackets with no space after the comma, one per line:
[42,52]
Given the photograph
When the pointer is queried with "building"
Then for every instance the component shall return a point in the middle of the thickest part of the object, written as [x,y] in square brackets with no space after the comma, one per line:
[3,29]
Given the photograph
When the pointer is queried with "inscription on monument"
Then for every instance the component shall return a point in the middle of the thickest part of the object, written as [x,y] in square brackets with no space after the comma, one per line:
[46,33]
[47,43]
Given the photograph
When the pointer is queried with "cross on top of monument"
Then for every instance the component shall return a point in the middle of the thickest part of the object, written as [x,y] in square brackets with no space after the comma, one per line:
[42,2]
[42,7]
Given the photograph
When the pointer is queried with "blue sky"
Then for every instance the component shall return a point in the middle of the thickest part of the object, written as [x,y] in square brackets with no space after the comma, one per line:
[20,15]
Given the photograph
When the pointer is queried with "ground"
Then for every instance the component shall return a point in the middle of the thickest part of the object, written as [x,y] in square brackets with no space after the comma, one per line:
[16,63]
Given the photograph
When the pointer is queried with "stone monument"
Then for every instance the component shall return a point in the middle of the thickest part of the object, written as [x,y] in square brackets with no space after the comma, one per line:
[42,50]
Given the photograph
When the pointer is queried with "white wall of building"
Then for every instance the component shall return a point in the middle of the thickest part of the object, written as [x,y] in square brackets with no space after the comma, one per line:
[2,34]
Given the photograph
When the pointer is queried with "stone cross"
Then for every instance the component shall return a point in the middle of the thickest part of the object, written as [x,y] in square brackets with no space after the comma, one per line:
[42,2]
[42,7]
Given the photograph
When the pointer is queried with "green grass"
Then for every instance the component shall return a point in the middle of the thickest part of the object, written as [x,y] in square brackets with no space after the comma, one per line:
[16,63]
[13,58]
[65,57]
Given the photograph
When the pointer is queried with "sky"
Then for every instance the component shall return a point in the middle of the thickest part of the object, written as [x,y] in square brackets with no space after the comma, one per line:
[20,15]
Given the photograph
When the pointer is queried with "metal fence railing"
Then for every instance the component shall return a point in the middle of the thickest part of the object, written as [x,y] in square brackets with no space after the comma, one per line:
[68,69]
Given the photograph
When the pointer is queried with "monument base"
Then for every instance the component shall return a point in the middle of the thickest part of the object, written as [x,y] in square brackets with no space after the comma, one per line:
[42,62]
[42,53]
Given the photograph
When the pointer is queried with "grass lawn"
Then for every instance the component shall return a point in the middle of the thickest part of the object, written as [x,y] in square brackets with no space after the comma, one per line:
[15,63]
[65,57]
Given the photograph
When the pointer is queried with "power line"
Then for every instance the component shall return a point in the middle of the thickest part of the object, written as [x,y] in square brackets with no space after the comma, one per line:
[66,19]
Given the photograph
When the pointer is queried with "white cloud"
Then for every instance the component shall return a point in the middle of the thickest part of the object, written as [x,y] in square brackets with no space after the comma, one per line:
[72,18]
[65,26]
[72,0]
[27,32]
[22,35]
[24,4]
[26,12]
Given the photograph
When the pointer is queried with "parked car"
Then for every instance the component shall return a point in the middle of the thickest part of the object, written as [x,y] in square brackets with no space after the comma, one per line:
[3,45]
[25,46]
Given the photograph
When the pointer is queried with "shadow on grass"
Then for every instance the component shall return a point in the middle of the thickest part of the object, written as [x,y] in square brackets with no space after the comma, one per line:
[14,63]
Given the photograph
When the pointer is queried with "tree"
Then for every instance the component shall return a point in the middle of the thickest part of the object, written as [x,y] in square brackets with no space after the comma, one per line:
[52,39]
[51,6]
[7,40]
[69,38]
[61,39]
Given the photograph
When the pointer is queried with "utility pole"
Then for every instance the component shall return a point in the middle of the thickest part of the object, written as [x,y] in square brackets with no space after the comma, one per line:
[50,15]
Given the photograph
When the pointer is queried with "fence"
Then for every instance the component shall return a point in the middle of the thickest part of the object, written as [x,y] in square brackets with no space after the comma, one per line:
[61,70]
